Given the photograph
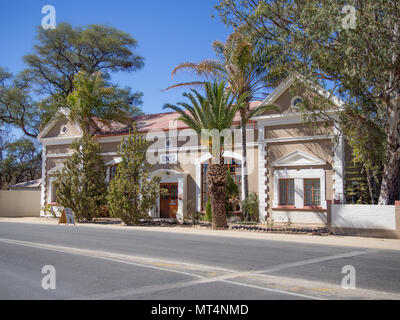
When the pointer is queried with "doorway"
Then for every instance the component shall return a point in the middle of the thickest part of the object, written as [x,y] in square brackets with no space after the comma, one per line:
[168,200]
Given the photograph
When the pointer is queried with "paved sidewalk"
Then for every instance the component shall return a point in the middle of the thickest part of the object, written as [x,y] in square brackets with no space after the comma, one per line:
[345,241]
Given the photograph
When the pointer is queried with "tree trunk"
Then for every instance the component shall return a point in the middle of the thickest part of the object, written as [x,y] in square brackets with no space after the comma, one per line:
[391,170]
[390,180]
[216,180]
[371,193]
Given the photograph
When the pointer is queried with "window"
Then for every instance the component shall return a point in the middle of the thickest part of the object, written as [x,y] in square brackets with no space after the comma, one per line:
[299,189]
[52,196]
[53,192]
[174,192]
[312,193]
[63,130]
[296,102]
[113,171]
[235,168]
[286,192]
[168,143]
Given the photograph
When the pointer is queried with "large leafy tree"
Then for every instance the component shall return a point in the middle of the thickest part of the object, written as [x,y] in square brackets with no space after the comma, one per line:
[246,71]
[81,183]
[361,65]
[31,98]
[206,114]
[132,191]
[92,98]
[4,139]
[21,162]
[62,52]
[17,107]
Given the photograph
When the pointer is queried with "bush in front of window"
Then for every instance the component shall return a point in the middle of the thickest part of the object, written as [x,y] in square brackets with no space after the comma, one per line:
[251,205]
[133,192]
[81,183]
[208,216]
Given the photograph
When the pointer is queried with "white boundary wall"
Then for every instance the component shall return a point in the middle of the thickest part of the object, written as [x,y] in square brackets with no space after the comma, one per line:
[300,217]
[363,216]
[19,203]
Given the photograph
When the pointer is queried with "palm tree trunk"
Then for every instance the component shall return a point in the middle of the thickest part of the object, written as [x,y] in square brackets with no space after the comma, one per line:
[216,181]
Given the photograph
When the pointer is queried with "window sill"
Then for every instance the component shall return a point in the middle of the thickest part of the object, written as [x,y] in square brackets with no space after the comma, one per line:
[283,208]
[54,204]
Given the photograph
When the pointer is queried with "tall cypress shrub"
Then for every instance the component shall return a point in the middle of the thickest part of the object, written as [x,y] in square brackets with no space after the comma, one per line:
[81,183]
[132,191]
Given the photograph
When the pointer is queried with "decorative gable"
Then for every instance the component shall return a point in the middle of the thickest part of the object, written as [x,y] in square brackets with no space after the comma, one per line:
[298,158]
[60,127]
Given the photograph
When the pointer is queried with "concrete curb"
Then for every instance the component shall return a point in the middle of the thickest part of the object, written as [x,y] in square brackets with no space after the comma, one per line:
[331,240]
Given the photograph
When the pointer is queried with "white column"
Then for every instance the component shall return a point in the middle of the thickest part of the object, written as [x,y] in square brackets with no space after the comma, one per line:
[298,192]
[338,167]
[43,184]
[198,184]
[181,192]
[262,179]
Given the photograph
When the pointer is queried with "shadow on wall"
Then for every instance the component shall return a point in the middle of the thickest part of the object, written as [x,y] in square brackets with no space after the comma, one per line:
[190,195]
[321,149]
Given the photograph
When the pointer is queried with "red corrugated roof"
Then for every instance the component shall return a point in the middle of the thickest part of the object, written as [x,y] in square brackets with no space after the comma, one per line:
[159,121]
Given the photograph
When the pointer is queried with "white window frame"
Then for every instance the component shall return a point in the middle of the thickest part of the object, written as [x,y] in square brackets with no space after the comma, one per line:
[51,187]
[114,161]
[299,175]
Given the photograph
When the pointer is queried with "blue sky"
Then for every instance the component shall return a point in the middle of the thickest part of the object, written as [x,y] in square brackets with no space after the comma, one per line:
[168,32]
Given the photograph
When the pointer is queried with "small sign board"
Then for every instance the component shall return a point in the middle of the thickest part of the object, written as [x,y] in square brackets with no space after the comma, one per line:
[67,217]
[171,158]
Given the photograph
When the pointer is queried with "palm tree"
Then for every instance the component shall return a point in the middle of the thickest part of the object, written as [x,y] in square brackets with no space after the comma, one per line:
[93,98]
[242,66]
[214,111]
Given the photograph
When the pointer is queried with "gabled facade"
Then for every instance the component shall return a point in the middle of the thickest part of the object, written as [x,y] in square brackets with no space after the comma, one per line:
[293,168]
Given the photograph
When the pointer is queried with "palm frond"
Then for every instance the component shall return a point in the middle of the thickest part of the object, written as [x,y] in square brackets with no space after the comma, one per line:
[215,110]
[186,84]
[203,68]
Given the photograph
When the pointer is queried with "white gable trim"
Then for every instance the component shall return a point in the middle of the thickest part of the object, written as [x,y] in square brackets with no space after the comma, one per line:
[114,161]
[61,112]
[291,118]
[278,91]
[298,158]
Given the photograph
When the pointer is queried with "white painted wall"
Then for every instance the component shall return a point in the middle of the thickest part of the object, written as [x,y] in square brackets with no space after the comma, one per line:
[363,216]
[300,217]
[19,203]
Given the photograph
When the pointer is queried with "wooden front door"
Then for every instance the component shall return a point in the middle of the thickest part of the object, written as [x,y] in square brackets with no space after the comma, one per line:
[168,200]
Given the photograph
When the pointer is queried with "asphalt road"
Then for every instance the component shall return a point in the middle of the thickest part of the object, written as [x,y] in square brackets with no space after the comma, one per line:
[118,263]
